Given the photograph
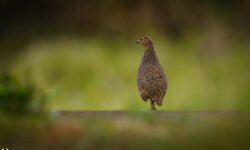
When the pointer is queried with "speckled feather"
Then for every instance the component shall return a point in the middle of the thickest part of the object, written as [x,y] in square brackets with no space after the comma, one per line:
[151,79]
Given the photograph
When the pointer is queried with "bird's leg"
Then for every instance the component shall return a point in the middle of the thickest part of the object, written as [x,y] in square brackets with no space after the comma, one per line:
[153,105]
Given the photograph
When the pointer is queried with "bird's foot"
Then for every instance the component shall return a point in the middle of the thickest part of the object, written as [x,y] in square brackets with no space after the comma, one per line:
[154,110]
[153,106]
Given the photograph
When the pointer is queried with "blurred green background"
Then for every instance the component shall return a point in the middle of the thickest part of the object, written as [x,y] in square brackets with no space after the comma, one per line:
[82,54]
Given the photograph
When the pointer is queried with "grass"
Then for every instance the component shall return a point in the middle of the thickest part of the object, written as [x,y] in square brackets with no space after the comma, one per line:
[128,130]
[99,72]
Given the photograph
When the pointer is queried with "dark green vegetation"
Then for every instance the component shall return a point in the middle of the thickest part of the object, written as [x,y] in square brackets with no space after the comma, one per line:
[18,98]
[129,130]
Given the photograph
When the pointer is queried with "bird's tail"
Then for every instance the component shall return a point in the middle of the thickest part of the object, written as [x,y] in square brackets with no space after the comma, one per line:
[157,101]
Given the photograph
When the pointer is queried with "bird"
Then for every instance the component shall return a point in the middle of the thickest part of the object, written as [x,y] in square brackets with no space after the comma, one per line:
[151,79]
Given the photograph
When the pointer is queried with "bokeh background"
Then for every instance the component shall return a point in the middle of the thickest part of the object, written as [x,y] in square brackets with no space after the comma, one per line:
[82,54]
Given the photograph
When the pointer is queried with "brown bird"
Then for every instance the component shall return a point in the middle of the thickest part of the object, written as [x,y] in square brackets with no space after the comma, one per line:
[151,79]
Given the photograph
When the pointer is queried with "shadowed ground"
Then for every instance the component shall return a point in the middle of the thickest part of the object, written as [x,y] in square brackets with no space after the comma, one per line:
[128,130]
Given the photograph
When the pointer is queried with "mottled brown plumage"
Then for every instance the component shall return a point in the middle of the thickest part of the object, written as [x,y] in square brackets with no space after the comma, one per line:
[151,79]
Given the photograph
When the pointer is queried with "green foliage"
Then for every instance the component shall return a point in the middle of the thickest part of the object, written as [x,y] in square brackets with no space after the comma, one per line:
[15,97]
[99,72]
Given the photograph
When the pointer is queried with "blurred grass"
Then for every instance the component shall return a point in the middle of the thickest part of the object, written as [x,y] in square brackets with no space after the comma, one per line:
[130,130]
[99,72]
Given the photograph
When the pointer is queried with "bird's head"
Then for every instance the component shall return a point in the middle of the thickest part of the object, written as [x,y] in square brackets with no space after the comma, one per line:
[145,41]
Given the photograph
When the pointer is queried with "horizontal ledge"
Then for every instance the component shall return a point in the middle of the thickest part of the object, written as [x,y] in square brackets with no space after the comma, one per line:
[122,112]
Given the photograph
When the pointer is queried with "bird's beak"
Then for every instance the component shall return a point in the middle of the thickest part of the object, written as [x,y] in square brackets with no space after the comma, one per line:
[138,41]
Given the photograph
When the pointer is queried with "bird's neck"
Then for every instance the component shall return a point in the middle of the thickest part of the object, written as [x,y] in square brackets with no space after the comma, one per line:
[149,46]
[149,55]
